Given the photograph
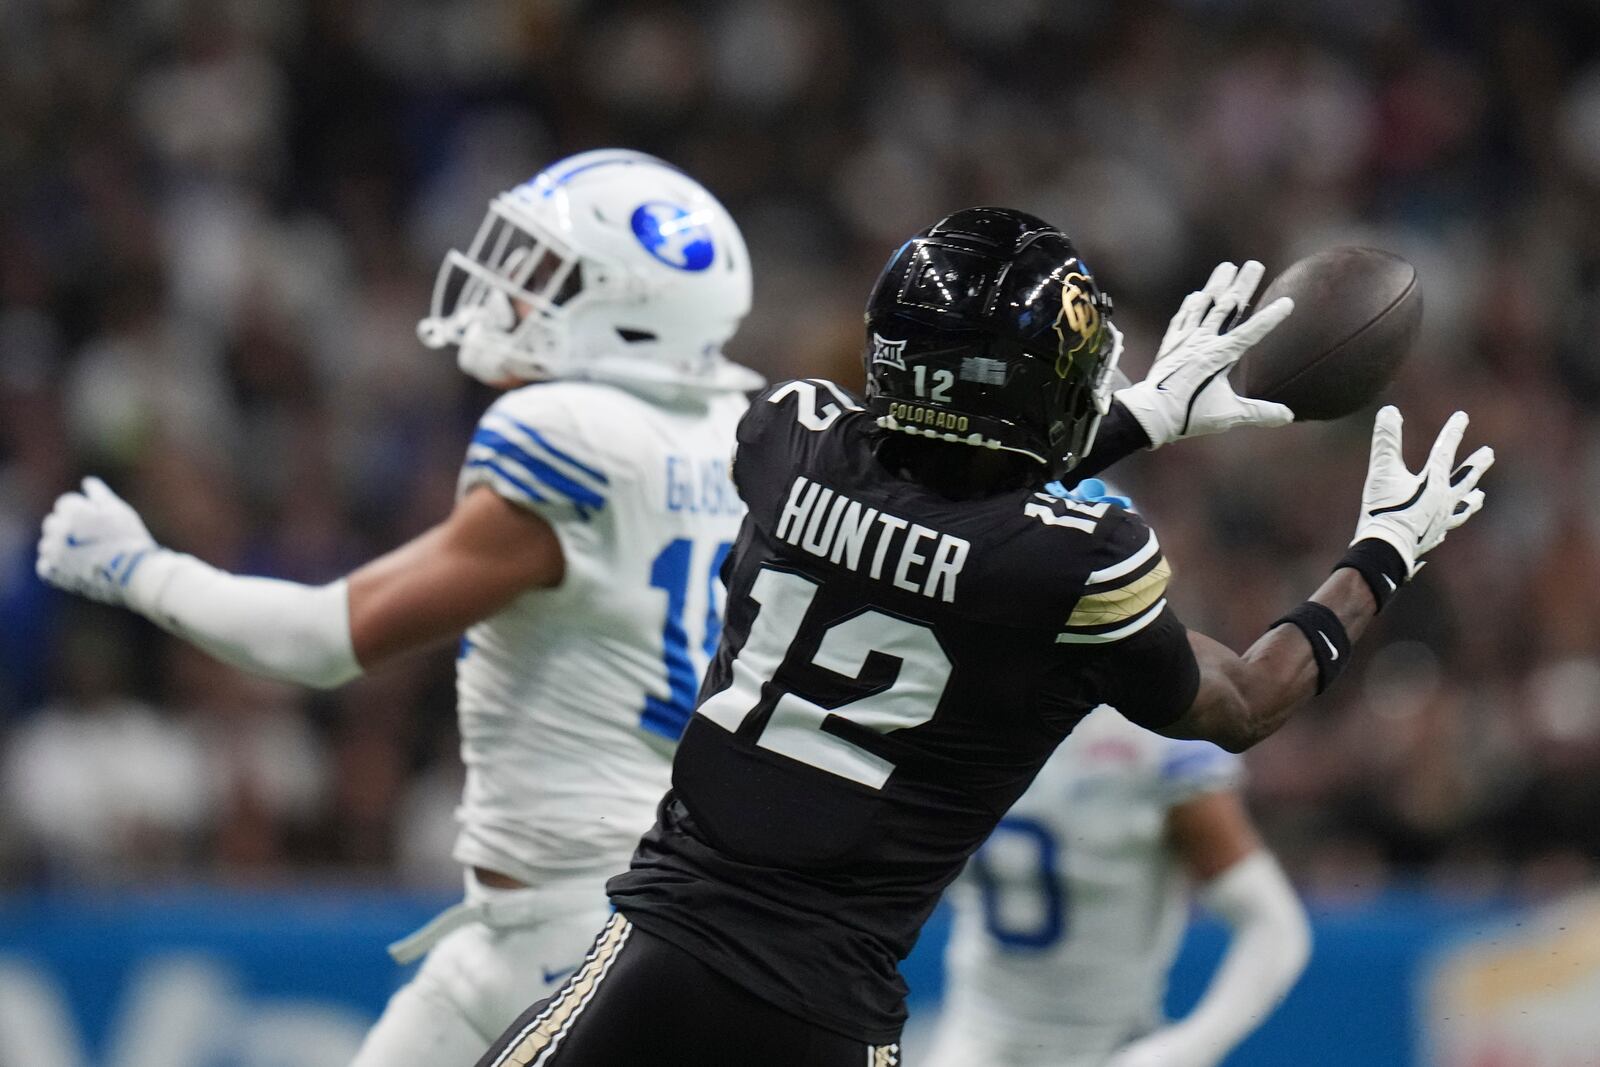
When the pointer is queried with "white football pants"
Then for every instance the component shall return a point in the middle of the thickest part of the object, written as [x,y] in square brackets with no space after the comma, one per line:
[482,974]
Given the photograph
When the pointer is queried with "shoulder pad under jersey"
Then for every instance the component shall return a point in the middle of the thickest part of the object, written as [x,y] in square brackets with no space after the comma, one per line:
[534,448]
[1125,584]
[783,421]
[808,403]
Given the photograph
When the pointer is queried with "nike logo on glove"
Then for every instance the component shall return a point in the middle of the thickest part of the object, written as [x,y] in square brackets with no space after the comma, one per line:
[553,976]
[1333,653]
[74,541]
[1375,512]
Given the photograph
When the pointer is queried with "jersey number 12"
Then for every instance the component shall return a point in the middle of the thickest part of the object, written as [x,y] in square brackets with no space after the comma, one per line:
[795,728]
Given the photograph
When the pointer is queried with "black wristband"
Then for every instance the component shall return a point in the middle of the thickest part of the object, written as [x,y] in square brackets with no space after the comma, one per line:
[1119,437]
[1330,645]
[1380,564]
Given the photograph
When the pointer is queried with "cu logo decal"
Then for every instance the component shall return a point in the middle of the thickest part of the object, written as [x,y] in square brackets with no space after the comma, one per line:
[1080,323]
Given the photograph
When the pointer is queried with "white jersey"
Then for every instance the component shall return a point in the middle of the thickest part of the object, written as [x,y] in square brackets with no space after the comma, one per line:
[1068,918]
[572,698]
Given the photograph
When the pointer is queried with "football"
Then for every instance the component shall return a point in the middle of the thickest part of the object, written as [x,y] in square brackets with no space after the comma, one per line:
[1356,315]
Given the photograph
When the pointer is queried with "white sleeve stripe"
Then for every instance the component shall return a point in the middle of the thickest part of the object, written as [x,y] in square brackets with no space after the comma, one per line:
[1182,790]
[839,395]
[1127,566]
[517,483]
[1150,616]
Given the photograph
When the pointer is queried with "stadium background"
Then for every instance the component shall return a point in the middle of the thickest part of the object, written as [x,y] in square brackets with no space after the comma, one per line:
[220,221]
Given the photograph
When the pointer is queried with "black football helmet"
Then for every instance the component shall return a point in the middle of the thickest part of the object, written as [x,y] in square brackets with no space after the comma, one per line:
[987,329]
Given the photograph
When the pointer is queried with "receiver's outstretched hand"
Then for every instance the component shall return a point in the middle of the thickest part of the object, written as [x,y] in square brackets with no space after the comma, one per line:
[1413,512]
[1187,392]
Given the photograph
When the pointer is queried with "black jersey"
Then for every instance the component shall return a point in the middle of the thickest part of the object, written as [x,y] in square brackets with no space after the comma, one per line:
[894,669]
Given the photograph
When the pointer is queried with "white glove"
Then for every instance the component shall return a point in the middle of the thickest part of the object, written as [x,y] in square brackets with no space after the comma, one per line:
[1413,512]
[92,543]
[96,545]
[1187,393]
[1171,1046]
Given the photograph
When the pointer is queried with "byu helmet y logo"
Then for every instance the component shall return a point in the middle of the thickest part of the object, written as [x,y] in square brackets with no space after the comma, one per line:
[676,237]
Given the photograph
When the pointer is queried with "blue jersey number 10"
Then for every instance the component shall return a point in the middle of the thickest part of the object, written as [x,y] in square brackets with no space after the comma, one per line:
[670,573]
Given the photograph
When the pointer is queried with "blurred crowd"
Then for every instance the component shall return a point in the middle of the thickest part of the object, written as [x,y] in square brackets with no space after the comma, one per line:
[219,223]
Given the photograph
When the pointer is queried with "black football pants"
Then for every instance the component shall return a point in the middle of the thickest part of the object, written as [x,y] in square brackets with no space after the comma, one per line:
[638,1001]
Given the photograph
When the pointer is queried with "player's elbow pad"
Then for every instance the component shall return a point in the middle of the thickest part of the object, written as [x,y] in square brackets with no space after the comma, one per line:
[277,629]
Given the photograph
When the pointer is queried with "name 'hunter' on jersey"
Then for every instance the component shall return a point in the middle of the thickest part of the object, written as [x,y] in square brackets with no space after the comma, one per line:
[831,526]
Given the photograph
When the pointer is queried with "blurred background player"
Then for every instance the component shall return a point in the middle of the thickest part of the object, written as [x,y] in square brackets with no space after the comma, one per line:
[593,513]
[1068,918]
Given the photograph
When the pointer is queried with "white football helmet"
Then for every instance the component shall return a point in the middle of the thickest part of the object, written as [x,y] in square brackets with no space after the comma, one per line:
[609,265]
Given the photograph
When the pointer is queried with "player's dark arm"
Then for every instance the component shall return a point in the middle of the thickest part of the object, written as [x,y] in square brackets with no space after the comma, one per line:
[1243,699]
[1119,437]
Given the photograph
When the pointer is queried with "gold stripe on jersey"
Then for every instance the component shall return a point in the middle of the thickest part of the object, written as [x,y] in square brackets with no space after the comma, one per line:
[545,1032]
[1102,637]
[1123,603]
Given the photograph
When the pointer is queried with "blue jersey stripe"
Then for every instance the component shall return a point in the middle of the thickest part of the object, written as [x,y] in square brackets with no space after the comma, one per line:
[564,457]
[541,471]
[1198,761]
[520,483]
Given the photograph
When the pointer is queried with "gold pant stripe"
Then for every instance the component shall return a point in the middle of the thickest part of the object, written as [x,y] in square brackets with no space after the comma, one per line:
[541,1036]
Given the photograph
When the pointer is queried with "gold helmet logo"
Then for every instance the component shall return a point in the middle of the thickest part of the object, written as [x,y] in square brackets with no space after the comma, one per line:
[1080,323]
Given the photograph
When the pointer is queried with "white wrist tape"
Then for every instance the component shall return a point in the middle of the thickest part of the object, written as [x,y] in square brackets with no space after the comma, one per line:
[1269,948]
[284,630]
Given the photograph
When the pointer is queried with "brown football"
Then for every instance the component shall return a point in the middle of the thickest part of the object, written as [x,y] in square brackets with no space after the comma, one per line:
[1356,314]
